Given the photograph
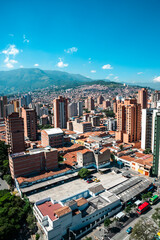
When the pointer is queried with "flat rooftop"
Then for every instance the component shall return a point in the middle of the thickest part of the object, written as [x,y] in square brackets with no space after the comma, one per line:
[52,131]
[71,188]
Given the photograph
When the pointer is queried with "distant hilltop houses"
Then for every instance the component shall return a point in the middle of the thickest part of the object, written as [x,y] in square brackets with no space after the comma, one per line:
[110,134]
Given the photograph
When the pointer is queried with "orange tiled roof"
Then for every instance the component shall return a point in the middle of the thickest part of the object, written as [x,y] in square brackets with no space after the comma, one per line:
[81,201]
[62,211]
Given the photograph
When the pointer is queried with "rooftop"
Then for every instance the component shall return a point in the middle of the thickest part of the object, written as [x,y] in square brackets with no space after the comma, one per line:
[53,131]
[48,208]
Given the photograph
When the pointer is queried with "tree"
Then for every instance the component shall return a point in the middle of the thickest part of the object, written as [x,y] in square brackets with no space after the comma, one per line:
[88,238]
[128,209]
[113,157]
[14,212]
[147,151]
[37,236]
[144,229]
[8,179]
[83,172]
[156,216]
[107,222]
[146,196]
[121,147]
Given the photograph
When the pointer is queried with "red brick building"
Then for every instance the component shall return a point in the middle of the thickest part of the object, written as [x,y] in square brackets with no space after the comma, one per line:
[33,161]
[60,109]
[52,137]
[15,133]
[30,123]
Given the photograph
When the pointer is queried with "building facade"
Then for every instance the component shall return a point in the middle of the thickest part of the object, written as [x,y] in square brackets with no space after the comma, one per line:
[60,108]
[15,133]
[30,123]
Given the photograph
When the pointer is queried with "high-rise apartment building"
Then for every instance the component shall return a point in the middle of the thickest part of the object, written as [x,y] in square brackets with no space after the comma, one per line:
[146,128]
[156,144]
[80,108]
[100,99]
[3,102]
[30,123]
[72,109]
[89,103]
[15,133]
[128,121]
[60,108]
[142,98]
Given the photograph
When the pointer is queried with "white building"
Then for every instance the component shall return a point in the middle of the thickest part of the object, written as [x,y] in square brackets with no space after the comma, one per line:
[75,215]
[80,108]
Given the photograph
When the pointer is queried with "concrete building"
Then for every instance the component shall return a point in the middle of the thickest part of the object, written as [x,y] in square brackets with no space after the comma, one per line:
[89,103]
[44,120]
[8,109]
[80,108]
[95,120]
[76,215]
[72,109]
[142,98]
[43,111]
[78,126]
[100,99]
[111,124]
[52,137]
[30,123]
[146,128]
[60,106]
[156,144]
[37,108]
[106,104]
[15,133]
[128,121]
[33,161]
[25,100]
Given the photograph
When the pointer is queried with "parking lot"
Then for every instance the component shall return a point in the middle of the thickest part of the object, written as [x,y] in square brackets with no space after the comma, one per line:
[73,187]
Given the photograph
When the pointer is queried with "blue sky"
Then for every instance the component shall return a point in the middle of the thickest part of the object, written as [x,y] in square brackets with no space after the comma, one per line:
[117,39]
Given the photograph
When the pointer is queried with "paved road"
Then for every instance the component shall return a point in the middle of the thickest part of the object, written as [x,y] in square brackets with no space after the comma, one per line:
[3,184]
[123,235]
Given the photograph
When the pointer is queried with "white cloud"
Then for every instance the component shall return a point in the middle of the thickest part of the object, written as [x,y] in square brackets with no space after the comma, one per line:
[25,39]
[36,65]
[107,66]
[61,64]
[9,65]
[116,78]
[109,76]
[11,50]
[71,50]
[21,66]
[6,59]
[156,79]
[140,73]
[93,71]
[13,61]
[89,59]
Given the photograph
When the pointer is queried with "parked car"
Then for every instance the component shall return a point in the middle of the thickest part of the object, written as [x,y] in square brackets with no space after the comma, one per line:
[89,181]
[129,230]
[97,180]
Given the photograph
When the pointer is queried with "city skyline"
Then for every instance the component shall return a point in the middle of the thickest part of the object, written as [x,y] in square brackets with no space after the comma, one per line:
[116,41]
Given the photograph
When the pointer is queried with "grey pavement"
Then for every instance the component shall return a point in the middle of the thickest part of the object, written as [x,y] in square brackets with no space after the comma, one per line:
[3,184]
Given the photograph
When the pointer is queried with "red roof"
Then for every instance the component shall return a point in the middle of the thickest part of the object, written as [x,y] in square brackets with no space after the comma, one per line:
[48,208]
[145,204]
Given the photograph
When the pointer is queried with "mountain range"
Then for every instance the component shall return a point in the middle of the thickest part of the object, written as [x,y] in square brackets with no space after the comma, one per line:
[28,79]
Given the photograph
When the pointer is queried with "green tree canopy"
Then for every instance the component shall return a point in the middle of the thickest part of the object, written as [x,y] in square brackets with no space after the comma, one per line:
[107,222]
[83,172]
[144,229]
